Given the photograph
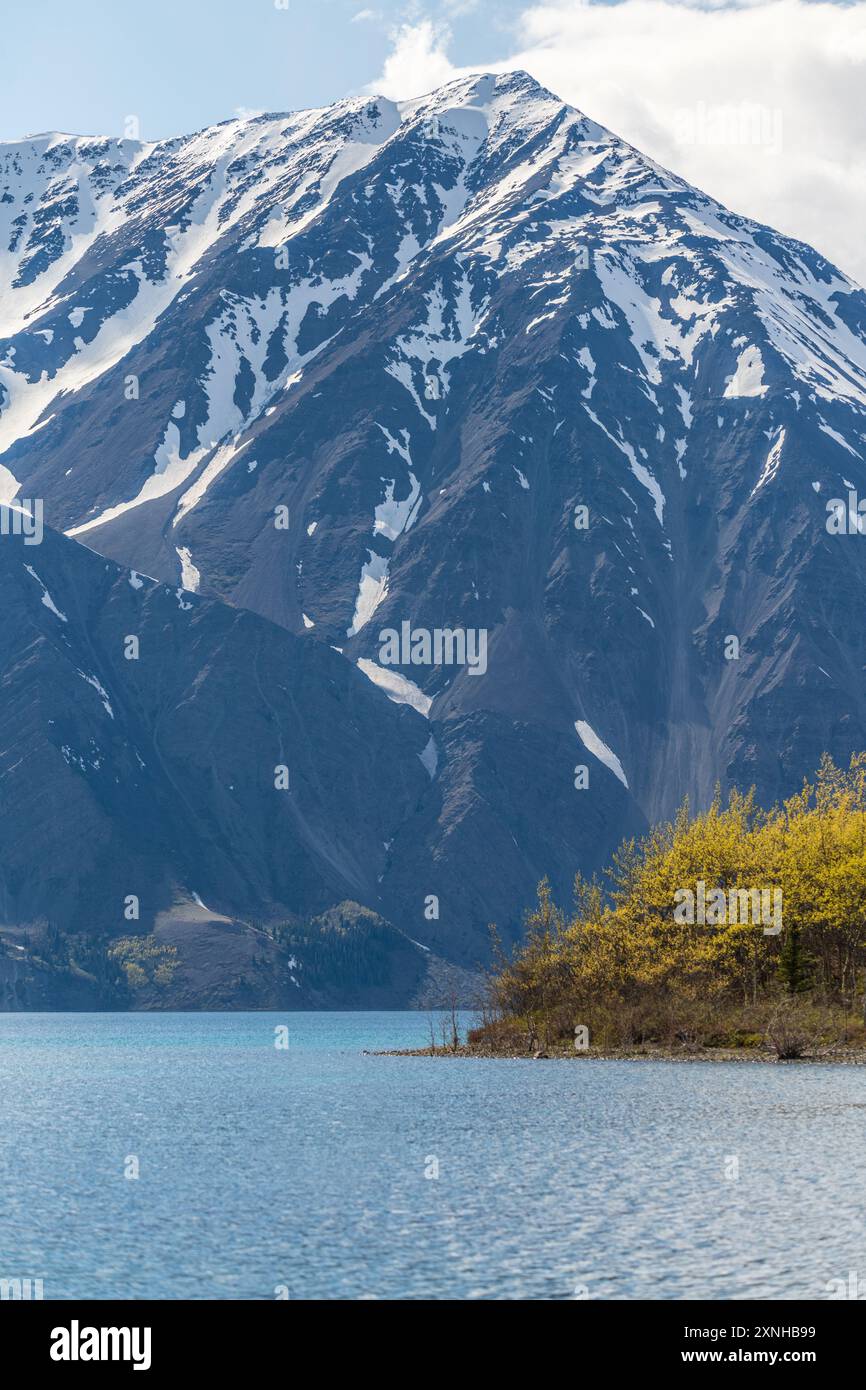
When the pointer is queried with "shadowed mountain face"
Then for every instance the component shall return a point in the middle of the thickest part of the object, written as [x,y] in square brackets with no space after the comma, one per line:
[153,740]
[539,437]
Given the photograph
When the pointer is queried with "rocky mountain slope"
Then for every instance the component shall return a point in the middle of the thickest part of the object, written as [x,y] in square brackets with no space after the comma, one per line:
[383,384]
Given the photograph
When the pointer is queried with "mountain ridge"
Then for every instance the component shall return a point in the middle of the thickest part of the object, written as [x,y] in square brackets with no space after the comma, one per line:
[472,364]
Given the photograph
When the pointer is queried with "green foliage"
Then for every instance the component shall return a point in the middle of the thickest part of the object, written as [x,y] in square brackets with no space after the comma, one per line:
[794,966]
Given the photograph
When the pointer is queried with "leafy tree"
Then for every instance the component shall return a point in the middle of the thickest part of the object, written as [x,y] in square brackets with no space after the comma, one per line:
[624,964]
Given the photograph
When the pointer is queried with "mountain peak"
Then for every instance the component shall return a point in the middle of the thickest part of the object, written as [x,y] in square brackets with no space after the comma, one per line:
[483,406]
[493,94]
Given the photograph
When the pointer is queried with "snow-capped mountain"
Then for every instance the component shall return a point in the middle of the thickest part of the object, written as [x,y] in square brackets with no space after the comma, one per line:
[384,373]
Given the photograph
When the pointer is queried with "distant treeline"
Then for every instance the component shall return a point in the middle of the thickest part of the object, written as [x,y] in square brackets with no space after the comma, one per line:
[719,928]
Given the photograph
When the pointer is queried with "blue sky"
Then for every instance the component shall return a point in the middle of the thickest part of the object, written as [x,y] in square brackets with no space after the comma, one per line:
[83,65]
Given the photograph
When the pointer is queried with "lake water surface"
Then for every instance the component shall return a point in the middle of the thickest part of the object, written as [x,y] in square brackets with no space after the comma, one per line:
[306,1170]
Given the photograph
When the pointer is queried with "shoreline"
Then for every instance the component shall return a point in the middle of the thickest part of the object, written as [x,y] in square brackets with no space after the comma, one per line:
[848,1056]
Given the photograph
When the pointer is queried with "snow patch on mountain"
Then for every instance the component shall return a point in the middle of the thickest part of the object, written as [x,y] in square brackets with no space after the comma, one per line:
[451,323]
[100,690]
[748,377]
[429,756]
[46,597]
[771,466]
[190,577]
[642,473]
[396,686]
[372,589]
[599,749]
[839,438]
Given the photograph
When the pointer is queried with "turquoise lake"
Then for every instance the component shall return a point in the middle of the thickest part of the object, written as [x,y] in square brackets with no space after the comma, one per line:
[307,1172]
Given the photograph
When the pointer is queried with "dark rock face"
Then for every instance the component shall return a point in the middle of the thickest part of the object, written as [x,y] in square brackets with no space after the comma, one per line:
[142,776]
[467,365]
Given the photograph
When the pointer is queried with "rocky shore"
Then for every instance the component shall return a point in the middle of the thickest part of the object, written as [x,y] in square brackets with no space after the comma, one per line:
[850,1056]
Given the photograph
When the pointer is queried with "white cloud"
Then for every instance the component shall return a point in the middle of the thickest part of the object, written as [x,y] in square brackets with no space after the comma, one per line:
[678,79]
[418,61]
